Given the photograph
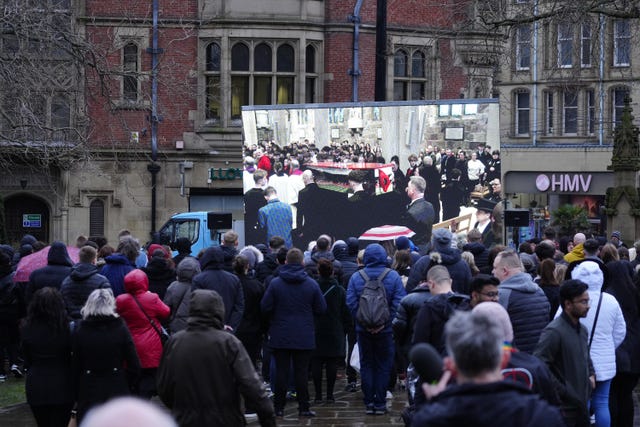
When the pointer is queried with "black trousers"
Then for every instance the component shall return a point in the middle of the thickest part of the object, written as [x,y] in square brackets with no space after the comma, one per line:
[621,399]
[52,415]
[300,360]
[331,364]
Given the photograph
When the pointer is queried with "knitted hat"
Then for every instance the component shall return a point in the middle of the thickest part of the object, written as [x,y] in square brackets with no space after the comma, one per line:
[616,234]
[354,245]
[402,243]
[441,238]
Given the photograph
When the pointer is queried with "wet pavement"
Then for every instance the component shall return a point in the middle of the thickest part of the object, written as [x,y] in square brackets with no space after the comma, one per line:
[348,410]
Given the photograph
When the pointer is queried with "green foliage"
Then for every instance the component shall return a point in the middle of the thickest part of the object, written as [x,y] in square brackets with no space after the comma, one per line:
[12,391]
[570,219]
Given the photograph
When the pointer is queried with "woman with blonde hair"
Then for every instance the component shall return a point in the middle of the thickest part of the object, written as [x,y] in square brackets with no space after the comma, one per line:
[469,259]
[104,360]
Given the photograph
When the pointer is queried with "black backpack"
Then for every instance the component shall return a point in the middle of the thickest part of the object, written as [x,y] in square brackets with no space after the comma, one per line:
[373,308]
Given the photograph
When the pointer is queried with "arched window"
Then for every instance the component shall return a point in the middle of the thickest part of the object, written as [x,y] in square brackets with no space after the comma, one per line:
[213,57]
[130,71]
[400,64]
[96,218]
[417,64]
[410,74]
[262,58]
[310,59]
[239,57]
[60,116]
[285,58]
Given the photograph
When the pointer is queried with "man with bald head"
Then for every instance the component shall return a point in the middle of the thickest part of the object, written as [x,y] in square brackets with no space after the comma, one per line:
[128,412]
[577,253]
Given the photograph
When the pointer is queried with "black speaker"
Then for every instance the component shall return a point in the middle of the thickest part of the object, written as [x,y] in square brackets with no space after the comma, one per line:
[516,217]
[219,221]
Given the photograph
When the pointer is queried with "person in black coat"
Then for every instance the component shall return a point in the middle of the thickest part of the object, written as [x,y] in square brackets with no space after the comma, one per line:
[104,361]
[57,269]
[253,201]
[621,286]
[452,196]
[331,328]
[82,280]
[46,349]
[250,329]
[159,270]
[432,193]
[226,284]
[420,214]
[11,310]
[349,265]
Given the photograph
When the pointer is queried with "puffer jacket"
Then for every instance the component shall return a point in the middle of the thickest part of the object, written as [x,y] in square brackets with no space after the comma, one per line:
[76,288]
[480,253]
[404,322]
[528,309]
[179,293]
[576,254]
[610,329]
[375,261]
[145,337]
[459,270]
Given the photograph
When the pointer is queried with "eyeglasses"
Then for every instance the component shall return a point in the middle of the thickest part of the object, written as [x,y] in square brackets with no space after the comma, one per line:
[582,301]
[490,294]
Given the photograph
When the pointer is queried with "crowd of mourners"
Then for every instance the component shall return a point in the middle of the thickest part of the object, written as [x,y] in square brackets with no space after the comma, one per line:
[548,333]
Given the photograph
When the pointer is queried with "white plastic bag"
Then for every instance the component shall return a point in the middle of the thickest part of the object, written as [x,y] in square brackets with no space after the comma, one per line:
[355,358]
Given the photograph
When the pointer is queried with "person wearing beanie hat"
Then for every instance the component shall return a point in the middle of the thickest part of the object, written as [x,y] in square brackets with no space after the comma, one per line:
[403,243]
[442,253]
[354,246]
[616,239]
[178,293]
[610,330]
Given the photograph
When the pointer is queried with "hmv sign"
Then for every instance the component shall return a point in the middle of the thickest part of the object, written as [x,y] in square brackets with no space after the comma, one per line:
[564,182]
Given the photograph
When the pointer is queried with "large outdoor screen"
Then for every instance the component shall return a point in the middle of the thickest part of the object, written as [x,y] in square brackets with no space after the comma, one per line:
[352,152]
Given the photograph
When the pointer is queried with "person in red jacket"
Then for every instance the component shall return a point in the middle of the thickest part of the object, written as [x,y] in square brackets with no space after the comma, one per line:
[139,308]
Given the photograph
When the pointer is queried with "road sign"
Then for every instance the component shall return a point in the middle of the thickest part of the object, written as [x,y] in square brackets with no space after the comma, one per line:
[32,221]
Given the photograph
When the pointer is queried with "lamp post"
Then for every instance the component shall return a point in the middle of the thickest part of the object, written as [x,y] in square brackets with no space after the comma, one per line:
[153,167]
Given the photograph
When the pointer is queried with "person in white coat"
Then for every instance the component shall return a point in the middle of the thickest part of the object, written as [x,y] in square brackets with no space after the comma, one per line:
[610,330]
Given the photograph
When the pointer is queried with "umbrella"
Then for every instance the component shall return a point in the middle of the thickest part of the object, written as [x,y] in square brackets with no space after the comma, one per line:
[36,260]
[387,232]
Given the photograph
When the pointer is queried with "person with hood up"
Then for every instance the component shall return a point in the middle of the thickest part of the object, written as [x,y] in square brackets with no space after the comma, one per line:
[26,248]
[442,253]
[349,265]
[183,246]
[226,284]
[160,270]
[57,269]
[524,300]
[290,302]
[82,280]
[121,263]
[610,330]
[178,293]
[254,256]
[205,370]
[143,312]
[376,348]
